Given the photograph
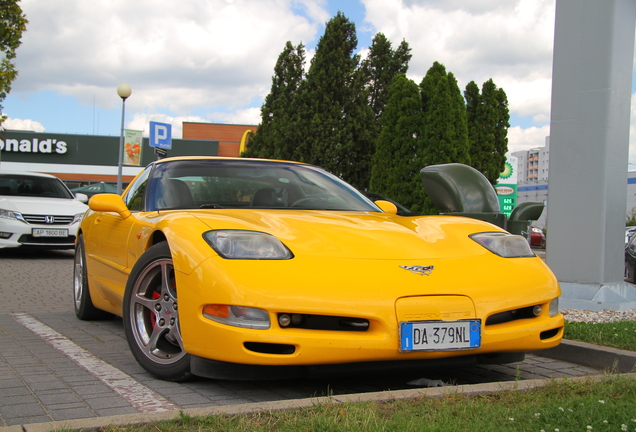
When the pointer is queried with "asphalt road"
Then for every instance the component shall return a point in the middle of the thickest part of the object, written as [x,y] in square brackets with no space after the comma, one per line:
[55,367]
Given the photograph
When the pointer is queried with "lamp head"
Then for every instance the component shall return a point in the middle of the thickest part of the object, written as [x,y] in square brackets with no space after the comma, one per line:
[124,90]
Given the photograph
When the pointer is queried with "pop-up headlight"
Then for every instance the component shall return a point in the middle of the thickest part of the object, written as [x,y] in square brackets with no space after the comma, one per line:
[504,244]
[247,245]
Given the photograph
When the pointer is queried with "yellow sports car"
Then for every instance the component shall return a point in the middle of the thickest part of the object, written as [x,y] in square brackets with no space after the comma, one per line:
[258,269]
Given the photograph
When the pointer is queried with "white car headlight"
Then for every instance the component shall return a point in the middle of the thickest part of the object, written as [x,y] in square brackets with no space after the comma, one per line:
[8,214]
[504,244]
[247,245]
[77,218]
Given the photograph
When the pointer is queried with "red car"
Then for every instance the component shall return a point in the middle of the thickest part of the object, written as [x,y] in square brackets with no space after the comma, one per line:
[537,238]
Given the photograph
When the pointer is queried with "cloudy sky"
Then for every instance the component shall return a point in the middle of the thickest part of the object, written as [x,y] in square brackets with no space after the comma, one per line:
[212,60]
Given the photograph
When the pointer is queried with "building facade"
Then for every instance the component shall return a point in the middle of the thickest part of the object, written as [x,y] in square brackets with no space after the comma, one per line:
[229,136]
[83,159]
[532,186]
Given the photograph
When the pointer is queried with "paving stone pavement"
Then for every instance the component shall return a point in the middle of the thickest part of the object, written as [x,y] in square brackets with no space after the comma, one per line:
[38,383]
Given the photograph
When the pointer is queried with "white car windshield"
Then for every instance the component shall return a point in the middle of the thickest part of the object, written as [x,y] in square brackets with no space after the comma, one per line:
[32,186]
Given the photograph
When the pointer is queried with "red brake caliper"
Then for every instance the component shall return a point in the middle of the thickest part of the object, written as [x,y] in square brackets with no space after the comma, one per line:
[153,317]
[155,296]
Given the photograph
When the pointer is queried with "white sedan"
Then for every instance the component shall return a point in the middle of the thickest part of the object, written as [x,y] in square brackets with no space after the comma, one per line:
[38,211]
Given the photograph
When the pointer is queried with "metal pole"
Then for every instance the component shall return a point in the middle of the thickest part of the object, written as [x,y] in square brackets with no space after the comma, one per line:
[121,147]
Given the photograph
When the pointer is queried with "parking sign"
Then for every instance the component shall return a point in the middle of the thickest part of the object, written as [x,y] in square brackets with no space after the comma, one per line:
[161,135]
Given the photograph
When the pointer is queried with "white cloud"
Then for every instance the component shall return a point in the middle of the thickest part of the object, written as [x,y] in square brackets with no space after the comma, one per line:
[528,138]
[247,116]
[23,125]
[508,41]
[175,55]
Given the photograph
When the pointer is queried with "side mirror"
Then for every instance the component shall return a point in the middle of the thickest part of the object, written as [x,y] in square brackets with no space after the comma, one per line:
[109,203]
[81,197]
[387,206]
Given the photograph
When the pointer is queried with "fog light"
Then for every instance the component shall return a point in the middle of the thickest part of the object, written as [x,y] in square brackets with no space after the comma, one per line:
[5,235]
[297,319]
[284,320]
[537,310]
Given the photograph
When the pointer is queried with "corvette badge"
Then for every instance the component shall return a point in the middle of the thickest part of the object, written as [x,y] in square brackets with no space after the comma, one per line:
[419,269]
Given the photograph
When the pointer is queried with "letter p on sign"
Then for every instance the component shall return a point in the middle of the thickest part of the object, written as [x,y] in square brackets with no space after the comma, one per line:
[161,135]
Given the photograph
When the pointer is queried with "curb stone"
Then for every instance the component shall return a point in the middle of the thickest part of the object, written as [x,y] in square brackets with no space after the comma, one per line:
[136,419]
[595,356]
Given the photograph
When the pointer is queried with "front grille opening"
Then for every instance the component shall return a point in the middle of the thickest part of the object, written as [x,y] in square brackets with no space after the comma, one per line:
[511,315]
[270,348]
[549,334]
[28,239]
[322,322]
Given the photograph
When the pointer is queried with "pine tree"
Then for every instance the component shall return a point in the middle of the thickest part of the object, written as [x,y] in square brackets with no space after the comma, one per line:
[398,158]
[333,110]
[276,136]
[488,116]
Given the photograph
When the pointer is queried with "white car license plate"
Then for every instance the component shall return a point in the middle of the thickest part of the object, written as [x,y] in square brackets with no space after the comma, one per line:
[440,335]
[47,232]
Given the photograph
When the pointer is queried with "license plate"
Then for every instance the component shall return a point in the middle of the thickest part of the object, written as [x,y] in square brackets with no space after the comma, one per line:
[440,335]
[47,232]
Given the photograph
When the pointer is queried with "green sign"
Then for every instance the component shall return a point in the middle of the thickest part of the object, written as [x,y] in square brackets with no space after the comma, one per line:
[507,194]
[507,186]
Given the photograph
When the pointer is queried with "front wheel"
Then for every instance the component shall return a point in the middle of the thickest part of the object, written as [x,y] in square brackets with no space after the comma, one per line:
[151,318]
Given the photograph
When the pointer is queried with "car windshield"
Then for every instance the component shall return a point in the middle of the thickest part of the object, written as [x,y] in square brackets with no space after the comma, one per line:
[250,184]
[32,186]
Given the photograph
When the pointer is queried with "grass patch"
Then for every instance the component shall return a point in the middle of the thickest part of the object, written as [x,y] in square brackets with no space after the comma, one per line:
[620,334]
[589,406]
[561,406]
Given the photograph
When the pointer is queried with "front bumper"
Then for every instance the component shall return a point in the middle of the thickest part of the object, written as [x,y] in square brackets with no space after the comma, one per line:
[372,294]
[14,233]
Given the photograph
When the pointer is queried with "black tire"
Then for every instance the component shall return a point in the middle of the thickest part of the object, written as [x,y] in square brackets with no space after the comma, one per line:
[84,308]
[151,320]
[630,273]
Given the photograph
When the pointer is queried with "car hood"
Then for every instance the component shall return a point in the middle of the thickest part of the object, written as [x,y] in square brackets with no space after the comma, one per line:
[359,235]
[43,205]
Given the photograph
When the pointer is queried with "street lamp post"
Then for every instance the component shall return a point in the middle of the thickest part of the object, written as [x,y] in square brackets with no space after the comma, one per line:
[124,91]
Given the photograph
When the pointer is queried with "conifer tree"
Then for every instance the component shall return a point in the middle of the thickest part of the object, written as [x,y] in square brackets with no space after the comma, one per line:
[445,133]
[380,67]
[276,136]
[334,115]
[398,158]
[488,116]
